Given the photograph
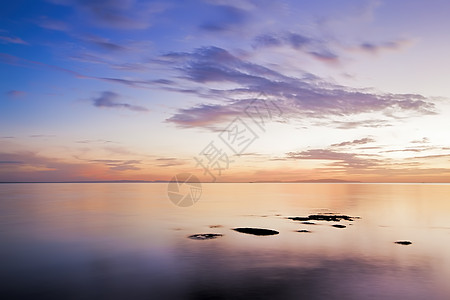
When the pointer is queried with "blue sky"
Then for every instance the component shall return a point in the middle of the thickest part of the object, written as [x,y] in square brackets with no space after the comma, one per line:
[94,90]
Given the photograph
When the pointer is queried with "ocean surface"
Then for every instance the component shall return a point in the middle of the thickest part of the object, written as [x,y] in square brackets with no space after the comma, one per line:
[129,241]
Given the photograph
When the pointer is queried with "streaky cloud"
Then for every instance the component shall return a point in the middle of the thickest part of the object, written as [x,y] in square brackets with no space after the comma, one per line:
[298,97]
[15,93]
[340,159]
[12,40]
[362,141]
[117,13]
[110,100]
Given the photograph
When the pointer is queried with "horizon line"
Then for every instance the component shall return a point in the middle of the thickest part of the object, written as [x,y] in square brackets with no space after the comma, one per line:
[168,181]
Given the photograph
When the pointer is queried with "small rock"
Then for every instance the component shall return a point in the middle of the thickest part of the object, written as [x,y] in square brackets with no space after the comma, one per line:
[339,226]
[324,217]
[303,230]
[256,231]
[205,236]
[309,223]
[299,218]
[403,242]
[215,226]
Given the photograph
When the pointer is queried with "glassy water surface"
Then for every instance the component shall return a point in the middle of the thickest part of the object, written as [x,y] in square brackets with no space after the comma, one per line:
[129,241]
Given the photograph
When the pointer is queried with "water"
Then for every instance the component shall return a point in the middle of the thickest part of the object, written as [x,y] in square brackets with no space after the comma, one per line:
[129,241]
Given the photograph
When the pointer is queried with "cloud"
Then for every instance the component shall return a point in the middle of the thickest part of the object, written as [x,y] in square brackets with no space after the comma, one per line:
[103,43]
[29,166]
[169,162]
[56,25]
[204,115]
[226,17]
[42,136]
[363,123]
[424,140]
[22,62]
[101,141]
[313,47]
[119,165]
[11,162]
[239,4]
[341,159]
[32,167]
[294,40]
[12,40]
[122,14]
[298,97]
[15,93]
[375,48]
[109,99]
[355,142]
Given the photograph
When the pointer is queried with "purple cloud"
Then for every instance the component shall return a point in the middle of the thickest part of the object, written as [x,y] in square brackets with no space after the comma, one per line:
[117,13]
[119,165]
[355,142]
[340,159]
[226,17]
[103,43]
[109,99]
[375,48]
[313,47]
[307,96]
[15,93]
[12,40]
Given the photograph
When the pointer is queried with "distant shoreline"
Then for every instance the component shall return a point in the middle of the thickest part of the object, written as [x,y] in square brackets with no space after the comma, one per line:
[253,182]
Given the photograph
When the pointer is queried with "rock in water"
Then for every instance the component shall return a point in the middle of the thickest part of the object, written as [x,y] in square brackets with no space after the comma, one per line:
[403,242]
[256,231]
[339,226]
[303,230]
[205,236]
[324,217]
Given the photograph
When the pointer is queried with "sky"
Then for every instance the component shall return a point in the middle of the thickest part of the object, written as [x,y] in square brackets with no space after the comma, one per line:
[229,91]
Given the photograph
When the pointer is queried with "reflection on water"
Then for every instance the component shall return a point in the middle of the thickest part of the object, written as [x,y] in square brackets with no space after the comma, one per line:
[128,241]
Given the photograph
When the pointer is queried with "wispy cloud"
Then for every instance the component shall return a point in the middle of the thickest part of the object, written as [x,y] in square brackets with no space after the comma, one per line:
[12,40]
[117,13]
[111,100]
[15,93]
[11,162]
[225,18]
[52,24]
[339,159]
[424,140]
[375,48]
[308,96]
[355,142]
[103,43]
[101,141]
[169,162]
[42,136]
[314,47]
[29,166]
[119,165]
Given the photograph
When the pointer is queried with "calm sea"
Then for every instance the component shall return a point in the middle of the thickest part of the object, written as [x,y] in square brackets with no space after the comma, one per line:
[129,241]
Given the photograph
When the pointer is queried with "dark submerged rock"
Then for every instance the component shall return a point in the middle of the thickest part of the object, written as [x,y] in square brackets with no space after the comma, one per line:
[256,231]
[205,236]
[324,217]
[403,242]
[303,230]
[299,218]
[339,226]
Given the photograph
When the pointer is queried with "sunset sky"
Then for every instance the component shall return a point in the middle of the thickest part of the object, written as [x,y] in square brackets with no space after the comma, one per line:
[263,90]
